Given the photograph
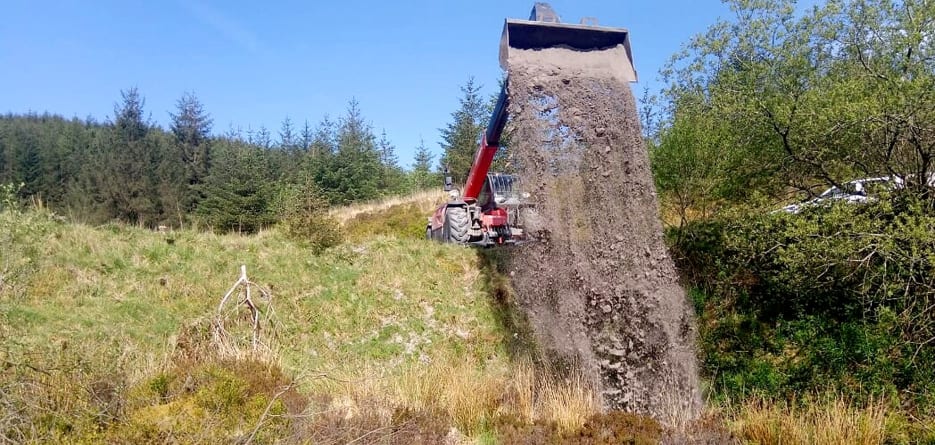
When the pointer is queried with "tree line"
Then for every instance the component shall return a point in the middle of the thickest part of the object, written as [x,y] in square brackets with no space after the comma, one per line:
[130,169]
[782,99]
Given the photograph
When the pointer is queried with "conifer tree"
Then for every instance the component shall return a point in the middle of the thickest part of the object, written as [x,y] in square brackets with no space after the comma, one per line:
[353,173]
[237,193]
[392,178]
[460,137]
[191,126]
[306,136]
[421,176]
[262,138]
[287,137]
[122,173]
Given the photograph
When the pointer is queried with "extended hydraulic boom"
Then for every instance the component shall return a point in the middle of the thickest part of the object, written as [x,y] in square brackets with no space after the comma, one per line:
[489,144]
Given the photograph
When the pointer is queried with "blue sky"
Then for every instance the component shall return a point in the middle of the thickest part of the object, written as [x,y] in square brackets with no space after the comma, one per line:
[255,63]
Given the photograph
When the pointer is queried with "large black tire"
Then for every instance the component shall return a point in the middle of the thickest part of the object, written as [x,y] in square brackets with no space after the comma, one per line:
[457,225]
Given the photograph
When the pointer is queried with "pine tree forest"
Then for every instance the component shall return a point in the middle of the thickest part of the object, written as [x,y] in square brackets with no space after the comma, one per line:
[129,169]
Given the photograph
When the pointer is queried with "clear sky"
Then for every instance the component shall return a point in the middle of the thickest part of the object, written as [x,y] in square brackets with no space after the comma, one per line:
[254,63]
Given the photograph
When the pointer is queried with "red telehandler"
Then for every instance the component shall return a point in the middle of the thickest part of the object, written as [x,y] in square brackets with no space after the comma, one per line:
[487,211]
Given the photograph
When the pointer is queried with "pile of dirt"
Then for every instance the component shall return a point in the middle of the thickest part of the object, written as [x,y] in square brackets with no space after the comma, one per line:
[598,285]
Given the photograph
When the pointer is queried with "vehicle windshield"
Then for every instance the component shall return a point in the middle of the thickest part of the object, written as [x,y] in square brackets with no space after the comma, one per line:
[505,187]
[499,189]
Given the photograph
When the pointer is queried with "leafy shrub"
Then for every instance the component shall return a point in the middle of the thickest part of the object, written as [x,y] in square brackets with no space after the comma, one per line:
[835,297]
[9,199]
[22,236]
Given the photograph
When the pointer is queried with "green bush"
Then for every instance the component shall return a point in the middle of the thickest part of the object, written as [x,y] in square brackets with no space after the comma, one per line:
[56,393]
[9,197]
[22,237]
[319,232]
[304,216]
[210,401]
[831,298]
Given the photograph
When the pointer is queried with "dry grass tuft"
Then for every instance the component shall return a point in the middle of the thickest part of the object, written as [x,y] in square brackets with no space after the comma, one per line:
[567,403]
[541,396]
[817,422]
[426,199]
[371,423]
[471,398]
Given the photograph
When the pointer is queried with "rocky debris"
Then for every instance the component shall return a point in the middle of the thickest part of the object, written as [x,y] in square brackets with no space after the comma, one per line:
[598,285]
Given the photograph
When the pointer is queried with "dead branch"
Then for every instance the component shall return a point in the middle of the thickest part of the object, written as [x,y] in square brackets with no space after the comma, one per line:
[243,290]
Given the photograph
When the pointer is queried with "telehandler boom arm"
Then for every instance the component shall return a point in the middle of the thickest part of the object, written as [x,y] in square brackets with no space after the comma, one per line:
[489,144]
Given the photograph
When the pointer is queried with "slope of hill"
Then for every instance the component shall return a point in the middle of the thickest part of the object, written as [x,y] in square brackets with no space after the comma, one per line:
[108,336]
[108,330]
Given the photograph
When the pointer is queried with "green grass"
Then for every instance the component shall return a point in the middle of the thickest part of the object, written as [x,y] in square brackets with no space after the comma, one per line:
[91,303]
[104,333]
[359,302]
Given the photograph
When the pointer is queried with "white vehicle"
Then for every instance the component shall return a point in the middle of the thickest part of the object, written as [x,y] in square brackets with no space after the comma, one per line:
[857,191]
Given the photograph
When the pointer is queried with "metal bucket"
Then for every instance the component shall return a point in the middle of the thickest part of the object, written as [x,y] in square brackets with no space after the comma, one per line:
[544,30]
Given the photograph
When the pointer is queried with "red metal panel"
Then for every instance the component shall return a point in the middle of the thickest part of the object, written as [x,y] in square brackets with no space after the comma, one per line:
[496,217]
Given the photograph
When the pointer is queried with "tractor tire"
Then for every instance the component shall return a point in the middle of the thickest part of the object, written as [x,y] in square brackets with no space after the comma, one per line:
[457,225]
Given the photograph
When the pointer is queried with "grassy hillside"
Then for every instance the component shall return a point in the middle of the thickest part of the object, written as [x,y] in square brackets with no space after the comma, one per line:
[107,337]
[134,287]
[108,330]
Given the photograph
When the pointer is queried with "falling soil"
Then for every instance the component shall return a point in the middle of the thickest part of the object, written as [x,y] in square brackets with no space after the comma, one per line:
[597,284]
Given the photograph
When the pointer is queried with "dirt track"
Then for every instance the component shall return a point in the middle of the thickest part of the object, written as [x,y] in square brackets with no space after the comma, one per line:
[598,285]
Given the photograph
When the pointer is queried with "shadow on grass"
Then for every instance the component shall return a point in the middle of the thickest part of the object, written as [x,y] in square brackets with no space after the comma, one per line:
[517,333]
